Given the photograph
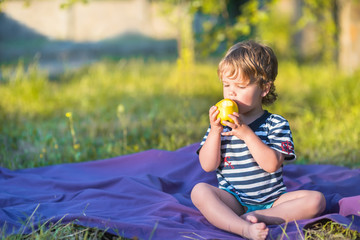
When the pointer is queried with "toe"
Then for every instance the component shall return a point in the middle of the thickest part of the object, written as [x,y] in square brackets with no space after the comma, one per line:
[251,219]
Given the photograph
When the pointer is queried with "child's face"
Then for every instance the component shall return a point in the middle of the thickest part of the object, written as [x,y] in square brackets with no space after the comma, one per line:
[248,96]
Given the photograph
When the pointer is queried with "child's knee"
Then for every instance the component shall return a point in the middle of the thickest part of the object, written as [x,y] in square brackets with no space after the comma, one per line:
[317,202]
[198,193]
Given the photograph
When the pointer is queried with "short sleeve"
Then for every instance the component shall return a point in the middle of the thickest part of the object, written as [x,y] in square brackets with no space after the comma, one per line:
[280,137]
[203,140]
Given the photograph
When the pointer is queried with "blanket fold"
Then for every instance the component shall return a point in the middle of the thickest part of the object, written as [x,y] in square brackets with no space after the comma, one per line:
[148,194]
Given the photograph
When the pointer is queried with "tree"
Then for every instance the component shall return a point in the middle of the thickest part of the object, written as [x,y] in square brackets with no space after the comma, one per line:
[210,26]
[337,27]
[220,24]
[349,39]
[320,30]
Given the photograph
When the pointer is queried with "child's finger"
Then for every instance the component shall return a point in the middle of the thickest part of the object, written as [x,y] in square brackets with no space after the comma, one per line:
[229,124]
[236,114]
[217,121]
[212,109]
[230,133]
[214,114]
[236,119]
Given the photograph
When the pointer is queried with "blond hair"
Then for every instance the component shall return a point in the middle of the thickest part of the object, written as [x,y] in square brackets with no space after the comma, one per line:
[254,63]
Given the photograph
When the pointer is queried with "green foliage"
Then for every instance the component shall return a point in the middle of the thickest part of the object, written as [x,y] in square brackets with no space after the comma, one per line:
[322,16]
[226,22]
[278,33]
[223,23]
[70,3]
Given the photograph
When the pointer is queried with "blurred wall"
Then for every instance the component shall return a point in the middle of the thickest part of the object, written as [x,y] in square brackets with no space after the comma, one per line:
[94,21]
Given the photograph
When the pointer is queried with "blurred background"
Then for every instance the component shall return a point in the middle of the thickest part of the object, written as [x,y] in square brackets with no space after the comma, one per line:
[65,34]
[89,79]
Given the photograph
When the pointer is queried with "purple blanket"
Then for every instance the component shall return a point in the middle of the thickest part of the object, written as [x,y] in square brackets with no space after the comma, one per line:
[147,195]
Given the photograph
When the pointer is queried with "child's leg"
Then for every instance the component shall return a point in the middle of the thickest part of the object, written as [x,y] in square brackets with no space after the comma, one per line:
[297,205]
[222,210]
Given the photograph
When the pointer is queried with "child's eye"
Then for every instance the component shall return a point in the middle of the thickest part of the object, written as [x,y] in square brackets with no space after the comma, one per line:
[241,86]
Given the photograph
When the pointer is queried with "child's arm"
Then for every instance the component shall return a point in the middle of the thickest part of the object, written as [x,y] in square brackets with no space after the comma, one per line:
[267,158]
[210,153]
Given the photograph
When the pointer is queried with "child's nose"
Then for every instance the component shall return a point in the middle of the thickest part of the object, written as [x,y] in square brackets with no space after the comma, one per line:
[232,93]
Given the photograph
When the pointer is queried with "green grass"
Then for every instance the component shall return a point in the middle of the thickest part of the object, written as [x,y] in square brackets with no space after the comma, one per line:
[68,231]
[322,106]
[117,108]
[129,106]
[329,230]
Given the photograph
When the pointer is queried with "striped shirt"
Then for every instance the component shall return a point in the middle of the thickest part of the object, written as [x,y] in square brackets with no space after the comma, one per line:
[238,171]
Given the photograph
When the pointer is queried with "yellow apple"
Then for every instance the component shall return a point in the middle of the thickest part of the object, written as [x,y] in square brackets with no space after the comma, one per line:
[226,107]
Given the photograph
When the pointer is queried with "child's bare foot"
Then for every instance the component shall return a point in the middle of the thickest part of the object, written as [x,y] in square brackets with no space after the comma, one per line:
[256,231]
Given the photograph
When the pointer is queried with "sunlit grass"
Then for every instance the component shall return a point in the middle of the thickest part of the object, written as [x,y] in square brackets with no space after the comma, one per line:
[58,230]
[330,231]
[162,107]
[322,230]
[322,106]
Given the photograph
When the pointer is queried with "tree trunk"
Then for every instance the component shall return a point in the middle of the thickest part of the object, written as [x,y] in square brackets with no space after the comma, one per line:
[349,37]
[185,36]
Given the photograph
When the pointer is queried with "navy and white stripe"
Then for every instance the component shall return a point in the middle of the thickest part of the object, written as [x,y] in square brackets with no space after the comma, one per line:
[244,176]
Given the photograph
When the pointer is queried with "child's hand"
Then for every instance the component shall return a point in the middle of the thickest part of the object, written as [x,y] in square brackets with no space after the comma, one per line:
[238,128]
[214,121]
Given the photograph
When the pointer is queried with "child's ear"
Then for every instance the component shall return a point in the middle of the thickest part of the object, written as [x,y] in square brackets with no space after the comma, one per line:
[266,89]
